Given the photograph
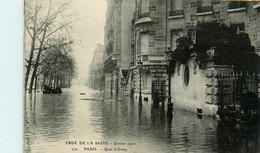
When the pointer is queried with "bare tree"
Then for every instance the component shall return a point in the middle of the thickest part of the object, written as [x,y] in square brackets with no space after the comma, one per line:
[44,21]
[57,66]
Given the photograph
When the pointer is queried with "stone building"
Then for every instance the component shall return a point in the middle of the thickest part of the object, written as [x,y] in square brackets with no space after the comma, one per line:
[149,46]
[118,49]
[242,16]
[141,31]
[96,79]
[194,89]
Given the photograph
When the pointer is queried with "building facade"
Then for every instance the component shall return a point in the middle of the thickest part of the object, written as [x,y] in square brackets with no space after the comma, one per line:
[118,49]
[96,78]
[195,89]
[149,47]
[137,34]
[240,15]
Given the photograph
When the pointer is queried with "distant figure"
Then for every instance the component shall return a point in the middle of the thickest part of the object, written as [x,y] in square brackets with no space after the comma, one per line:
[248,101]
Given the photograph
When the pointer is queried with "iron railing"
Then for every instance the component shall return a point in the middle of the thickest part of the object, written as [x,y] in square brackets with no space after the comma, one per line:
[143,15]
[176,13]
[203,9]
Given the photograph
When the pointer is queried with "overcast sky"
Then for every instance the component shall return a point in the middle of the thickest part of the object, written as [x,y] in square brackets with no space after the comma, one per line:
[88,31]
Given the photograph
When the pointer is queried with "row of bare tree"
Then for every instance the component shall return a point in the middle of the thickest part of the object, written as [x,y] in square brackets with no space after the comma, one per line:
[47,42]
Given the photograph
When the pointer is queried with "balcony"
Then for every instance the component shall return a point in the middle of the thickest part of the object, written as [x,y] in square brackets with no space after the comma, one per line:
[150,59]
[204,10]
[109,48]
[176,14]
[256,6]
[236,6]
[110,63]
[143,18]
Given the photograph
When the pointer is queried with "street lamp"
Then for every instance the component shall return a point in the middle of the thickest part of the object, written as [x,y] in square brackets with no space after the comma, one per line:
[112,82]
[140,63]
[169,53]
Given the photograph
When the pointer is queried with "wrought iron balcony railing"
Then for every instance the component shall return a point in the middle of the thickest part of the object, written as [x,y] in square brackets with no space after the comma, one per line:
[204,9]
[143,15]
[110,62]
[236,4]
[109,48]
[176,13]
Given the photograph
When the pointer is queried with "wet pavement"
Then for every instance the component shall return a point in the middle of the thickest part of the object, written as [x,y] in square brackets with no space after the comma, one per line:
[52,122]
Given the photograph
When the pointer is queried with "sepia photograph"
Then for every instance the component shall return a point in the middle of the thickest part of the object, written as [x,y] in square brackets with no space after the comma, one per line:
[141,76]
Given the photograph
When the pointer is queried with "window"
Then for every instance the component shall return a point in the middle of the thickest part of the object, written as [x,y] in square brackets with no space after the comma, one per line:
[186,76]
[151,44]
[145,58]
[176,5]
[175,35]
[193,4]
[238,27]
[193,17]
[144,43]
[145,6]
[152,8]
[215,2]
[216,15]
[253,17]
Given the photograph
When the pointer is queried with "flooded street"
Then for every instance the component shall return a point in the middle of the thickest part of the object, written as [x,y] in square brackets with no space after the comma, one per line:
[52,121]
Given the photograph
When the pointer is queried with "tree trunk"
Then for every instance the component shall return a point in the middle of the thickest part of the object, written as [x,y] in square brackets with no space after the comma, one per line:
[35,71]
[29,65]
[38,59]
[32,47]
[35,84]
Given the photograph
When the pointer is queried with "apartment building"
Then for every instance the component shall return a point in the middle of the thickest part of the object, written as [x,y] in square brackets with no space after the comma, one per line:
[149,47]
[118,49]
[96,66]
[241,15]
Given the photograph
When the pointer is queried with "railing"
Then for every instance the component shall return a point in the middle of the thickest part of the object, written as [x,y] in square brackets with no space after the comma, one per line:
[204,9]
[150,58]
[176,13]
[109,48]
[230,87]
[143,15]
[110,62]
[236,4]
[237,95]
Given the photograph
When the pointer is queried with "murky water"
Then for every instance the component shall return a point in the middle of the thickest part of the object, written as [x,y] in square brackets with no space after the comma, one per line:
[53,121]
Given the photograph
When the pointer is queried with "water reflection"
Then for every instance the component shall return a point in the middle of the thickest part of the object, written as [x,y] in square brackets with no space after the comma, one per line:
[50,120]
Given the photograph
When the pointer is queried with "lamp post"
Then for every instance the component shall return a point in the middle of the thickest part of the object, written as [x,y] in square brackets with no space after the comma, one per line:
[112,82]
[169,53]
[140,63]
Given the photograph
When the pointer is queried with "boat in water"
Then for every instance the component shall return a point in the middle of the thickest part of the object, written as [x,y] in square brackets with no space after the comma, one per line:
[50,90]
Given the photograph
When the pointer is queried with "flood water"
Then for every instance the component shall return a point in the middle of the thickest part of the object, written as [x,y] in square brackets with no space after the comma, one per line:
[52,123]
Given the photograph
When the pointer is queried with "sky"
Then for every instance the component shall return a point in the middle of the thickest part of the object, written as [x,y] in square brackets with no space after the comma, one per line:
[88,31]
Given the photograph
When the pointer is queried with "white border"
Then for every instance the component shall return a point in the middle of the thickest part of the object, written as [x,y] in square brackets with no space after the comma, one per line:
[11,78]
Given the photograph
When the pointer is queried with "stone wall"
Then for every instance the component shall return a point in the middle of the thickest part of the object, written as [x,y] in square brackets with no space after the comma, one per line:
[192,95]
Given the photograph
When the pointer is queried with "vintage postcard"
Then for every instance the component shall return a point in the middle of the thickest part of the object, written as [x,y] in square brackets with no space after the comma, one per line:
[140,76]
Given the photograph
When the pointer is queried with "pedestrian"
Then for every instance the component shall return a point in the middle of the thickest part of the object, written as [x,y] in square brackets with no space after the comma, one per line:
[249,102]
